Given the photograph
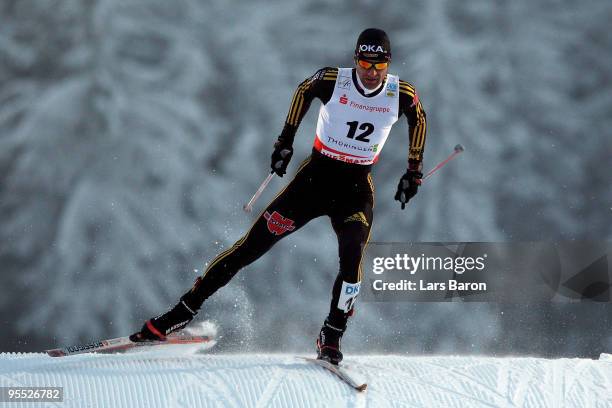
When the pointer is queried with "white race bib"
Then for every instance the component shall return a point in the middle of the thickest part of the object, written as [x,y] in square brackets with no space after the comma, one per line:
[354,128]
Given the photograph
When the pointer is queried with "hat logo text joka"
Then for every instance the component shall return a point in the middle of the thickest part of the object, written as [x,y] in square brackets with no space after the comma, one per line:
[371,48]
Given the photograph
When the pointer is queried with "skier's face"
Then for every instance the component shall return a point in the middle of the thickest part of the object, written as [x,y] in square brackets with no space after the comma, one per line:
[370,73]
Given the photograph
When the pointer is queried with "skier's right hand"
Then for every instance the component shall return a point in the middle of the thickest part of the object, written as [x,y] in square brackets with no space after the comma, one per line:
[280,158]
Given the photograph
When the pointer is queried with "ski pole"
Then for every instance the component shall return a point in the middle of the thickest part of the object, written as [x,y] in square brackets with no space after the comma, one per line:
[458,149]
[248,207]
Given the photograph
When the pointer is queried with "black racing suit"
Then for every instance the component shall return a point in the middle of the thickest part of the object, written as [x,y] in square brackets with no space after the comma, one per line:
[322,186]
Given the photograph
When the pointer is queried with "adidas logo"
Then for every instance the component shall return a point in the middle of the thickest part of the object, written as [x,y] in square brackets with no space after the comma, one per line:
[358,217]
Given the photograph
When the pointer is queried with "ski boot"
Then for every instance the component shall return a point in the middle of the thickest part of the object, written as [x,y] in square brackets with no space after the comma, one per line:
[328,344]
[159,327]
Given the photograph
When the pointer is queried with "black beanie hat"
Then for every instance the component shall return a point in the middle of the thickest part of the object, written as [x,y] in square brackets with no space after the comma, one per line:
[373,44]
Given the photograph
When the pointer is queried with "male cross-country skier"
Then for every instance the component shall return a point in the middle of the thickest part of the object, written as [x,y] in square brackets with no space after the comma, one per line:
[359,106]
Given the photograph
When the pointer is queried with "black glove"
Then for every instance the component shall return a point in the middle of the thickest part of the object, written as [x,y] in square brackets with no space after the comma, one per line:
[408,186]
[280,157]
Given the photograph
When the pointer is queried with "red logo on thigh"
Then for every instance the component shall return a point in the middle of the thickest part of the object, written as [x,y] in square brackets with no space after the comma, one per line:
[277,224]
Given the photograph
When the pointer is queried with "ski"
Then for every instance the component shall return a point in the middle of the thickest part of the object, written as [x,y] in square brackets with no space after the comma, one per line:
[121,344]
[340,372]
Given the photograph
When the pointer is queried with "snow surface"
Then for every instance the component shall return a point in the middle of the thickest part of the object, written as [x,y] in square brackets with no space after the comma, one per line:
[189,377]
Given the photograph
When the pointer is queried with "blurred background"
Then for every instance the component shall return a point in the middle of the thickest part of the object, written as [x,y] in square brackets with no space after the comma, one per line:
[132,132]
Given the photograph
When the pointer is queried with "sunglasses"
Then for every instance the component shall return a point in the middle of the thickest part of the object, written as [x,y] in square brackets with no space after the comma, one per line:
[377,65]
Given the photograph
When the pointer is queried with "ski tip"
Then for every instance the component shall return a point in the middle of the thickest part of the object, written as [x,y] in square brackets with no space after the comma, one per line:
[55,353]
[362,387]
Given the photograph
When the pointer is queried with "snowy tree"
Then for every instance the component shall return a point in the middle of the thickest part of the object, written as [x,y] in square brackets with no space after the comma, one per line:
[131,133]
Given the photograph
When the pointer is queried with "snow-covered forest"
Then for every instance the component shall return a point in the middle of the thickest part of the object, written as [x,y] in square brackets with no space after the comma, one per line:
[131,134]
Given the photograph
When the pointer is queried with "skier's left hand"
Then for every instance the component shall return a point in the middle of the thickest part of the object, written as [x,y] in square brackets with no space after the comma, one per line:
[408,186]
